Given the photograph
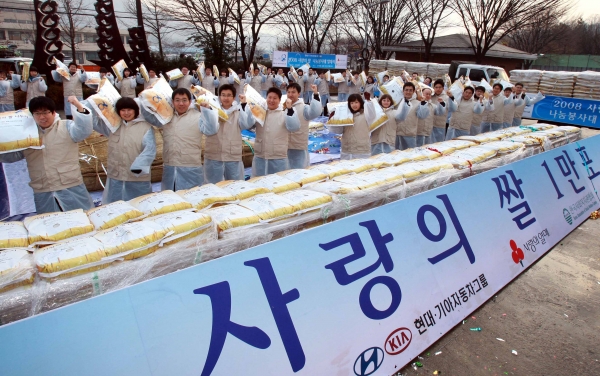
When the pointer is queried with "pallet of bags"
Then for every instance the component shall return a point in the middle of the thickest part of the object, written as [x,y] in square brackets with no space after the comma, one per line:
[530,79]
[587,85]
[376,66]
[558,83]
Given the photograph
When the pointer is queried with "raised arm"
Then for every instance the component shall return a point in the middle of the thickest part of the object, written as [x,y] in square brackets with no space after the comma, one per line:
[82,125]
[141,165]
[15,82]
[216,81]
[139,78]
[208,122]
[315,108]
[173,83]
[56,76]
[439,109]
[478,107]
[423,110]
[83,76]
[132,83]
[11,157]
[530,101]
[403,110]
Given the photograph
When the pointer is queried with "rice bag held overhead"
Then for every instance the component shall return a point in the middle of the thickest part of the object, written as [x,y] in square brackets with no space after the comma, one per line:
[457,89]
[174,74]
[341,117]
[295,74]
[144,72]
[215,71]
[337,78]
[25,70]
[118,69]
[62,69]
[103,104]
[18,131]
[235,76]
[204,96]
[201,70]
[394,88]
[258,104]
[363,78]
[157,100]
[380,76]
[374,114]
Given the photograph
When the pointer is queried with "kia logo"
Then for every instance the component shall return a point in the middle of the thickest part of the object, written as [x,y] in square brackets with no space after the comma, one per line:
[398,341]
[368,362]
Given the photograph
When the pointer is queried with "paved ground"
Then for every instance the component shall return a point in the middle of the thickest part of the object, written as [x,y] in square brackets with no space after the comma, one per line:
[550,315]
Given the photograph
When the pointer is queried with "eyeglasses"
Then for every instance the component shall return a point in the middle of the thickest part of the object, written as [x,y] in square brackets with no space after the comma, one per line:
[226,96]
[42,113]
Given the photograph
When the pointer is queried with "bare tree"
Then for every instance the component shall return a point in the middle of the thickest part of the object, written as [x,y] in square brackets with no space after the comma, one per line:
[309,21]
[590,36]
[157,22]
[488,21]
[71,23]
[428,16]
[381,23]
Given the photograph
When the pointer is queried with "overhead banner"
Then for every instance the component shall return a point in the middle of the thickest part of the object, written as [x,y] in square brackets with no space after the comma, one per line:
[574,111]
[285,59]
[360,296]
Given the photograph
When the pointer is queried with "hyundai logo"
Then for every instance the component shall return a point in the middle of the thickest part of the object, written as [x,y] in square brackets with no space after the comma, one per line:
[368,362]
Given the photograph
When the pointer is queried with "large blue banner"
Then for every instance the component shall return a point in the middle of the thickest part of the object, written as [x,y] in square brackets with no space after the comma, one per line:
[296,59]
[574,111]
[360,296]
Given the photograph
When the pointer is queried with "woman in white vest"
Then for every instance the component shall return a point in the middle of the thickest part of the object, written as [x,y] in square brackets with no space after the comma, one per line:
[152,78]
[182,141]
[225,79]
[271,145]
[127,85]
[72,86]
[268,83]
[35,86]
[509,109]
[310,81]
[527,101]
[210,82]
[479,118]
[356,143]
[302,79]
[495,118]
[298,141]
[131,151]
[406,130]
[255,79]
[186,81]
[425,125]
[383,139]
[438,133]
[7,97]
[223,150]
[104,75]
[323,89]
[462,113]
[369,88]
[343,88]
[54,170]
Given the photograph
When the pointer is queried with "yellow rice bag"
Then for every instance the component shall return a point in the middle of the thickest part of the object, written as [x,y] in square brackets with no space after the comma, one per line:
[269,206]
[335,187]
[52,227]
[235,76]
[408,171]
[330,170]
[62,69]
[232,216]
[527,139]
[303,176]
[499,134]
[18,131]
[568,129]
[74,255]
[479,139]
[469,157]
[215,71]
[429,167]
[541,126]
[420,154]
[391,159]
[357,165]
[206,196]
[384,175]
[374,114]
[306,200]
[118,69]
[550,133]
[441,148]
[213,102]
[132,240]
[242,189]
[113,214]
[174,74]
[13,235]
[275,183]
[160,203]
[362,181]
[518,130]
[25,70]
[16,269]
[157,100]
[181,225]
[503,146]
[341,117]
[315,125]
[144,72]
[202,71]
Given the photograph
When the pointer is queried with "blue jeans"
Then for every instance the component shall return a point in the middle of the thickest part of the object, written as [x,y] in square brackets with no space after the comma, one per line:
[506,125]
[453,133]
[263,93]
[486,127]
[423,140]
[496,126]
[342,97]
[307,96]
[404,142]
[324,99]
[475,130]
[438,134]
[516,122]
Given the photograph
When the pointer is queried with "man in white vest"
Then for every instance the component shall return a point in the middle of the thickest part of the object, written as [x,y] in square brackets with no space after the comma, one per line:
[323,88]
[210,82]
[281,81]
[302,79]
[425,125]
[406,130]
[495,117]
[255,79]
[186,81]
[298,141]
[509,109]
[35,86]
[72,86]
[151,75]
[54,170]
[310,80]
[519,91]
[271,145]
[462,113]
[127,85]
[343,88]
[438,134]
[478,119]
[268,83]
[7,98]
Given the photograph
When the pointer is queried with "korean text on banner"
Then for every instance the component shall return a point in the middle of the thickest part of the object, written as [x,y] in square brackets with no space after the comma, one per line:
[574,111]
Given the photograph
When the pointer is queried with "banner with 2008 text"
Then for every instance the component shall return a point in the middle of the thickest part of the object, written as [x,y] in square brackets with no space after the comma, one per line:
[360,296]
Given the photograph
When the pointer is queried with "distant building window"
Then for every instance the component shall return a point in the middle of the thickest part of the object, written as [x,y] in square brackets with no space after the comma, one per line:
[2,34]
[90,38]
[92,56]
[79,56]
[27,54]
[17,35]
[25,22]
[8,20]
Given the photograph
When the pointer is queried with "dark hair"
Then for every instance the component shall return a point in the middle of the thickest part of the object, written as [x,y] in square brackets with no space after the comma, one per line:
[186,67]
[439,81]
[41,103]
[409,84]
[499,85]
[372,79]
[299,70]
[72,63]
[181,91]
[519,84]
[415,73]
[296,86]
[480,88]
[2,71]
[127,69]
[354,72]
[151,69]
[356,98]
[470,88]
[386,96]
[508,88]
[129,103]
[227,87]
[33,68]
[430,79]
[274,90]
[103,70]
[386,76]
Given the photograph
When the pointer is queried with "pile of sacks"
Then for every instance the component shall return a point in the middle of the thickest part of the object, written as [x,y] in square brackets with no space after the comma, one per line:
[397,67]
[587,85]
[558,83]
[529,78]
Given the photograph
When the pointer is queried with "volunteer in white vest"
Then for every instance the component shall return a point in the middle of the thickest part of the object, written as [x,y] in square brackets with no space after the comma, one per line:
[239,87]
[302,79]
[342,88]
[127,85]
[7,97]
[462,113]
[495,118]
[369,88]
[354,84]
[182,141]
[224,78]
[478,118]
[425,125]
[356,143]
[71,87]
[268,83]
[255,79]
[210,82]
[383,139]
[151,75]
[298,141]
[310,81]
[223,150]
[438,134]
[323,88]
[281,81]
[271,145]
[105,74]
[527,101]
[406,130]
[54,170]
[509,109]
[35,86]
[131,151]
[186,81]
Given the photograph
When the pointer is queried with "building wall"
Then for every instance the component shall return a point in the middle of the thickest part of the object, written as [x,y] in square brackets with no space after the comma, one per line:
[507,64]
[575,63]
[17,26]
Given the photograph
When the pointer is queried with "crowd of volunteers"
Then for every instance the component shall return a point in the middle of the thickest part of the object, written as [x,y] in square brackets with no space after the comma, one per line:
[427,112]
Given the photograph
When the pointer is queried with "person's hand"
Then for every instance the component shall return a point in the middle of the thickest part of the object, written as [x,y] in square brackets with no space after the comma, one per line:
[204,104]
[75,102]
[288,103]
[313,87]
[440,99]
[242,98]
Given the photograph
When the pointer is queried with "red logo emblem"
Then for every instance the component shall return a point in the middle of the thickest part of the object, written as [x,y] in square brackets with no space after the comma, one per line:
[517,253]
[398,341]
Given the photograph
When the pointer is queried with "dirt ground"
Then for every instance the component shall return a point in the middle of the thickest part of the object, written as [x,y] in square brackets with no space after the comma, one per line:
[550,315]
